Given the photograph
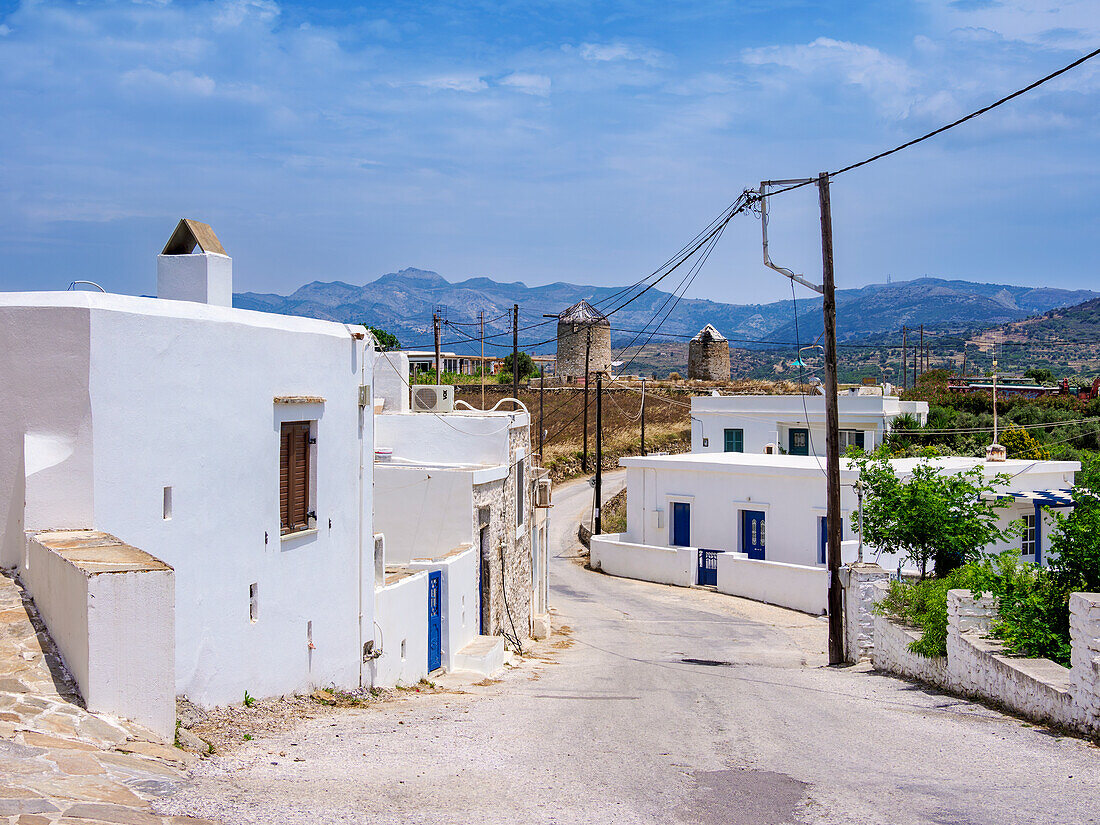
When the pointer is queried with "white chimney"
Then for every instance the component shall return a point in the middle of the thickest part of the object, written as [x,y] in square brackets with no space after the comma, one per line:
[195,267]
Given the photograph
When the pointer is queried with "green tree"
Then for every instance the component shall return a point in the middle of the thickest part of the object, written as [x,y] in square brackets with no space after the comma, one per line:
[930,516]
[1020,444]
[387,340]
[1040,375]
[1073,553]
[526,366]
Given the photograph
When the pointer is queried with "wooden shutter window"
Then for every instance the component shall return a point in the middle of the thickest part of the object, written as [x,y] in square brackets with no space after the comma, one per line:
[294,476]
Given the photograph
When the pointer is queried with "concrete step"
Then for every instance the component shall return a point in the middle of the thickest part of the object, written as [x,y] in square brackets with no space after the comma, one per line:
[484,655]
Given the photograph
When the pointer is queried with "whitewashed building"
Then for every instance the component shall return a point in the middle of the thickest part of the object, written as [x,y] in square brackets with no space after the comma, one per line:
[234,446]
[794,424]
[755,525]
[455,503]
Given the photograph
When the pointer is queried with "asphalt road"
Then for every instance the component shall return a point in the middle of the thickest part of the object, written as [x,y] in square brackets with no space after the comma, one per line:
[612,723]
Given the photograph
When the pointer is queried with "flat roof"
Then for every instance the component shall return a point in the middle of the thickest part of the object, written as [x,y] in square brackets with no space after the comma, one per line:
[763,463]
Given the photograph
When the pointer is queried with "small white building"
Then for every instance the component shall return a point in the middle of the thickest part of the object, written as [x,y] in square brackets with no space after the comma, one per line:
[794,424]
[234,446]
[699,518]
[455,500]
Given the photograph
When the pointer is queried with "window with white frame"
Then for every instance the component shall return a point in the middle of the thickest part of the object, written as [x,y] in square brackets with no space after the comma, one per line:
[851,438]
[1027,538]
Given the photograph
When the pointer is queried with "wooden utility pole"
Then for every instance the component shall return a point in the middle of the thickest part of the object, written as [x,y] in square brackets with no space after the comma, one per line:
[904,359]
[832,429]
[587,351]
[643,416]
[482,371]
[542,387]
[921,355]
[515,350]
[438,355]
[964,360]
[599,450]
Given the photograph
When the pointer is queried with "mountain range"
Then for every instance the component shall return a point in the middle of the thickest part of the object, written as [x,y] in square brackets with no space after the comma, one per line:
[403,302]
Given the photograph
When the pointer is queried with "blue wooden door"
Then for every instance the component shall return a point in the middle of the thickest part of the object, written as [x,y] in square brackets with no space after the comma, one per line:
[798,441]
[822,538]
[752,533]
[435,654]
[708,567]
[681,524]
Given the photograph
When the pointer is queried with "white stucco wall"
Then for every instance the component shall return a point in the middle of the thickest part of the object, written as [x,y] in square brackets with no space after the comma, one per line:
[459,602]
[789,490]
[787,585]
[611,553]
[391,381]
[401,620]
[183,395]
[767,419]
[453,438]
[424,512]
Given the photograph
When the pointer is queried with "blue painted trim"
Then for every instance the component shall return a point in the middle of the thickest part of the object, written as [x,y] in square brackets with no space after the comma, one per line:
[1038,533]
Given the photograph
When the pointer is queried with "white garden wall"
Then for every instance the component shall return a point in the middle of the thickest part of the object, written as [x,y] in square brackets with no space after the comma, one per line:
[401,631]
[787,585]
[666,565]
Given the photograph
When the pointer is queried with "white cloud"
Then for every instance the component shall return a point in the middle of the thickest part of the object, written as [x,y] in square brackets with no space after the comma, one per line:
[888,80]
[454,83]
[1073,24]
[608,52]
[531,84]
[179,81]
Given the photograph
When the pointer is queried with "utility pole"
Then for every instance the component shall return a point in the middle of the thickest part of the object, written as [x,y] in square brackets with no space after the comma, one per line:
[599,450]
[542,387]
[832,428]
[964,360]
[995,393]
[587,351]
[904,359]
[515,350]
[438,356]
[482,359]
[643,416]
[922,353]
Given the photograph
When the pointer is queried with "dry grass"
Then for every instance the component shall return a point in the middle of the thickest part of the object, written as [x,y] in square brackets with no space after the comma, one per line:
[667,417]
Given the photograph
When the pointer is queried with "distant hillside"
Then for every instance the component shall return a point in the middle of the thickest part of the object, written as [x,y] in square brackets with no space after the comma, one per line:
[402,302]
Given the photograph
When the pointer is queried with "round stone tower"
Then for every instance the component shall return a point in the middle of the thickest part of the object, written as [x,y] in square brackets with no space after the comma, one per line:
[582,327]
[709,356]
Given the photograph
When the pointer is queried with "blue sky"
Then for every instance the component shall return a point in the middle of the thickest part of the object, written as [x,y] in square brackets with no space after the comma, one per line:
[538,141]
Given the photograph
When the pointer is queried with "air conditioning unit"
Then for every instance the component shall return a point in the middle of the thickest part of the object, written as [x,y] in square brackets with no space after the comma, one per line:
[542,492]
[770,449]
[437,398]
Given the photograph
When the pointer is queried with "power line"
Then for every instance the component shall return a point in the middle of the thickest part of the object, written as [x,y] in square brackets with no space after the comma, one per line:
[942,129]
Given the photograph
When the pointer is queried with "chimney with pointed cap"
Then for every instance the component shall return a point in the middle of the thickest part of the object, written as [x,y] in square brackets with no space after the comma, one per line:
[195,267]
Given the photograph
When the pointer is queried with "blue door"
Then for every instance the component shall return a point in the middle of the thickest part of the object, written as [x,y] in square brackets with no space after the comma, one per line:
[822,538]
[435,657]
[752,533]
[681,524]
[798,441]
[708,567]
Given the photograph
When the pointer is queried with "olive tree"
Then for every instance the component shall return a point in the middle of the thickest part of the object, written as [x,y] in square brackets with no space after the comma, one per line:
[930,516]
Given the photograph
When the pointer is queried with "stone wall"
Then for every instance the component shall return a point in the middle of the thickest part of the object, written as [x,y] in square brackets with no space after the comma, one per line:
[977,665]
[709,360]
[858,581]
[572,341]
[506,566]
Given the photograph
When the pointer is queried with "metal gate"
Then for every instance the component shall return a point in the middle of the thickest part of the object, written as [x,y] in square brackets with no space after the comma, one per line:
[708,567]
[435,654]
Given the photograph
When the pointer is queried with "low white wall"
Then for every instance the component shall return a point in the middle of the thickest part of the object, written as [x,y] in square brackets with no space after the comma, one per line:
[115,631]
[787,585]
[665,565]
[459,601]
[1084,630]
[401,616]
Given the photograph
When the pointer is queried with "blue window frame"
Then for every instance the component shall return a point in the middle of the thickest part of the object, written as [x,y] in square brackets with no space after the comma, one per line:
[735,440]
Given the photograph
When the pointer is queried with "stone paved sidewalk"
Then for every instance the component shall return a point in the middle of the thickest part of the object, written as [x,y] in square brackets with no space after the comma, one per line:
[58,762]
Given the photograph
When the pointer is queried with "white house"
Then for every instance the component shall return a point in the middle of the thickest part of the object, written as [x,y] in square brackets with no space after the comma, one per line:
[794,424]
[697,517]
[234,446]
[454,499]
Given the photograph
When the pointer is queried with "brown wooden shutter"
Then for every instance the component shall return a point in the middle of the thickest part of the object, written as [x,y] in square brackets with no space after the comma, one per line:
[294,476]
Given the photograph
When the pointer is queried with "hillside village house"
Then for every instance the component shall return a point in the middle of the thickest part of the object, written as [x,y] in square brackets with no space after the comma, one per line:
[794,424]
[233,446]
[754,524]
[455,503]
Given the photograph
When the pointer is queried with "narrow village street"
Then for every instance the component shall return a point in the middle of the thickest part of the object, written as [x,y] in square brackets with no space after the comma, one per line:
[658,704]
